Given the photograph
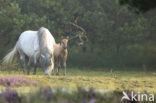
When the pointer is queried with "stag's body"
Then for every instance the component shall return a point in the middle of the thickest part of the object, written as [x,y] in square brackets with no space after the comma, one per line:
[61,53]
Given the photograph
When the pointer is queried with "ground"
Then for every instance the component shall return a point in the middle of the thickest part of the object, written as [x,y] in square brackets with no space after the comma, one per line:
[101,79]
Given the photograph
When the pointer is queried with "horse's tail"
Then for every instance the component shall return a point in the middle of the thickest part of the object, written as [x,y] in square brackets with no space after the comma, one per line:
[8,59]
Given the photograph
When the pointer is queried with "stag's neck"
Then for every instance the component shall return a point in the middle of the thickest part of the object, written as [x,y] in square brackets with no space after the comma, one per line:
[59,50]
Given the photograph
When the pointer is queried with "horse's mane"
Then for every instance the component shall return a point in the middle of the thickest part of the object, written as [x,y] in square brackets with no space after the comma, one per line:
[46,42]
[42,39]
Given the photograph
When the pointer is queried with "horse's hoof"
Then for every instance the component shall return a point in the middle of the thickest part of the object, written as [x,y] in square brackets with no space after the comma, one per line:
[34,73]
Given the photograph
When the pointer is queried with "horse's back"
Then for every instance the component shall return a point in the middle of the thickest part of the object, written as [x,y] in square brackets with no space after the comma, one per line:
[28,42]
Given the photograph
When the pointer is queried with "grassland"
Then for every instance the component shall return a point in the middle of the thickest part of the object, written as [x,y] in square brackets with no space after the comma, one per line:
[101,79]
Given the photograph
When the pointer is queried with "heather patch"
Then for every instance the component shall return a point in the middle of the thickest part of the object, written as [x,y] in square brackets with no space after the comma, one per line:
[11,96]
[58,95]
[16,81]
[107,81]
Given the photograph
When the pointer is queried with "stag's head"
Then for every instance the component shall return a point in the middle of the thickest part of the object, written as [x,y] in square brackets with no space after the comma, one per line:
[64,42]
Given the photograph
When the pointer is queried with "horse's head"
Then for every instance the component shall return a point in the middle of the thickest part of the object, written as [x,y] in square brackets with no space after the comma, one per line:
[47,62]
[64,42]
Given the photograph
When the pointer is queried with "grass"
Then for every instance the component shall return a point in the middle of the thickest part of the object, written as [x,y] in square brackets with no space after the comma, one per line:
[102,80]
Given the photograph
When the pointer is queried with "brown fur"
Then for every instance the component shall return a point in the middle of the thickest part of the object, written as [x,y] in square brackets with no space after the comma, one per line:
[61,53]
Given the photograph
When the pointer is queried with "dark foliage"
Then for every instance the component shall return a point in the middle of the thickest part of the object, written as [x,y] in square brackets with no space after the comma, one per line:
[140,5]
[116,36]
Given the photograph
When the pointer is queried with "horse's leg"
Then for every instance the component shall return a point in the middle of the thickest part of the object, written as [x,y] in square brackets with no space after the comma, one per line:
[22,60]
[35,66]
[29,63]
[53,63]
[35,63]
[64,66]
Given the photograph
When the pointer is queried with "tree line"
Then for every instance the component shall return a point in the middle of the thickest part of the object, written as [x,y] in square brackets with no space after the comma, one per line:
[116,35]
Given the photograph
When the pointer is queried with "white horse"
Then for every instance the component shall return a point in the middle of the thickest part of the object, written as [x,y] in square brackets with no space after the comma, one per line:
[29,44]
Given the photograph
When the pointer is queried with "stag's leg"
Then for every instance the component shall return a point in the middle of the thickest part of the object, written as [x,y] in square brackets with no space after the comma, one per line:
[58,66]
[22,60]
[64,66]
[29,64]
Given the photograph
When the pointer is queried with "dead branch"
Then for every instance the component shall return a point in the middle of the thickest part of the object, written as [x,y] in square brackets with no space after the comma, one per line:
[83,34]
[77,26]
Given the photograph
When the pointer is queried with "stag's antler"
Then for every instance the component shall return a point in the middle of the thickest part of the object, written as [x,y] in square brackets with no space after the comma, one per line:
[83,31]
[81,35]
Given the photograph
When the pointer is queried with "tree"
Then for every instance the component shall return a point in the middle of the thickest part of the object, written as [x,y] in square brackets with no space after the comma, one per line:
[139,5]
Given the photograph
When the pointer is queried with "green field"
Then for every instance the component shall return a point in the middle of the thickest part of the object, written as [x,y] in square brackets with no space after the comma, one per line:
[100,79]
